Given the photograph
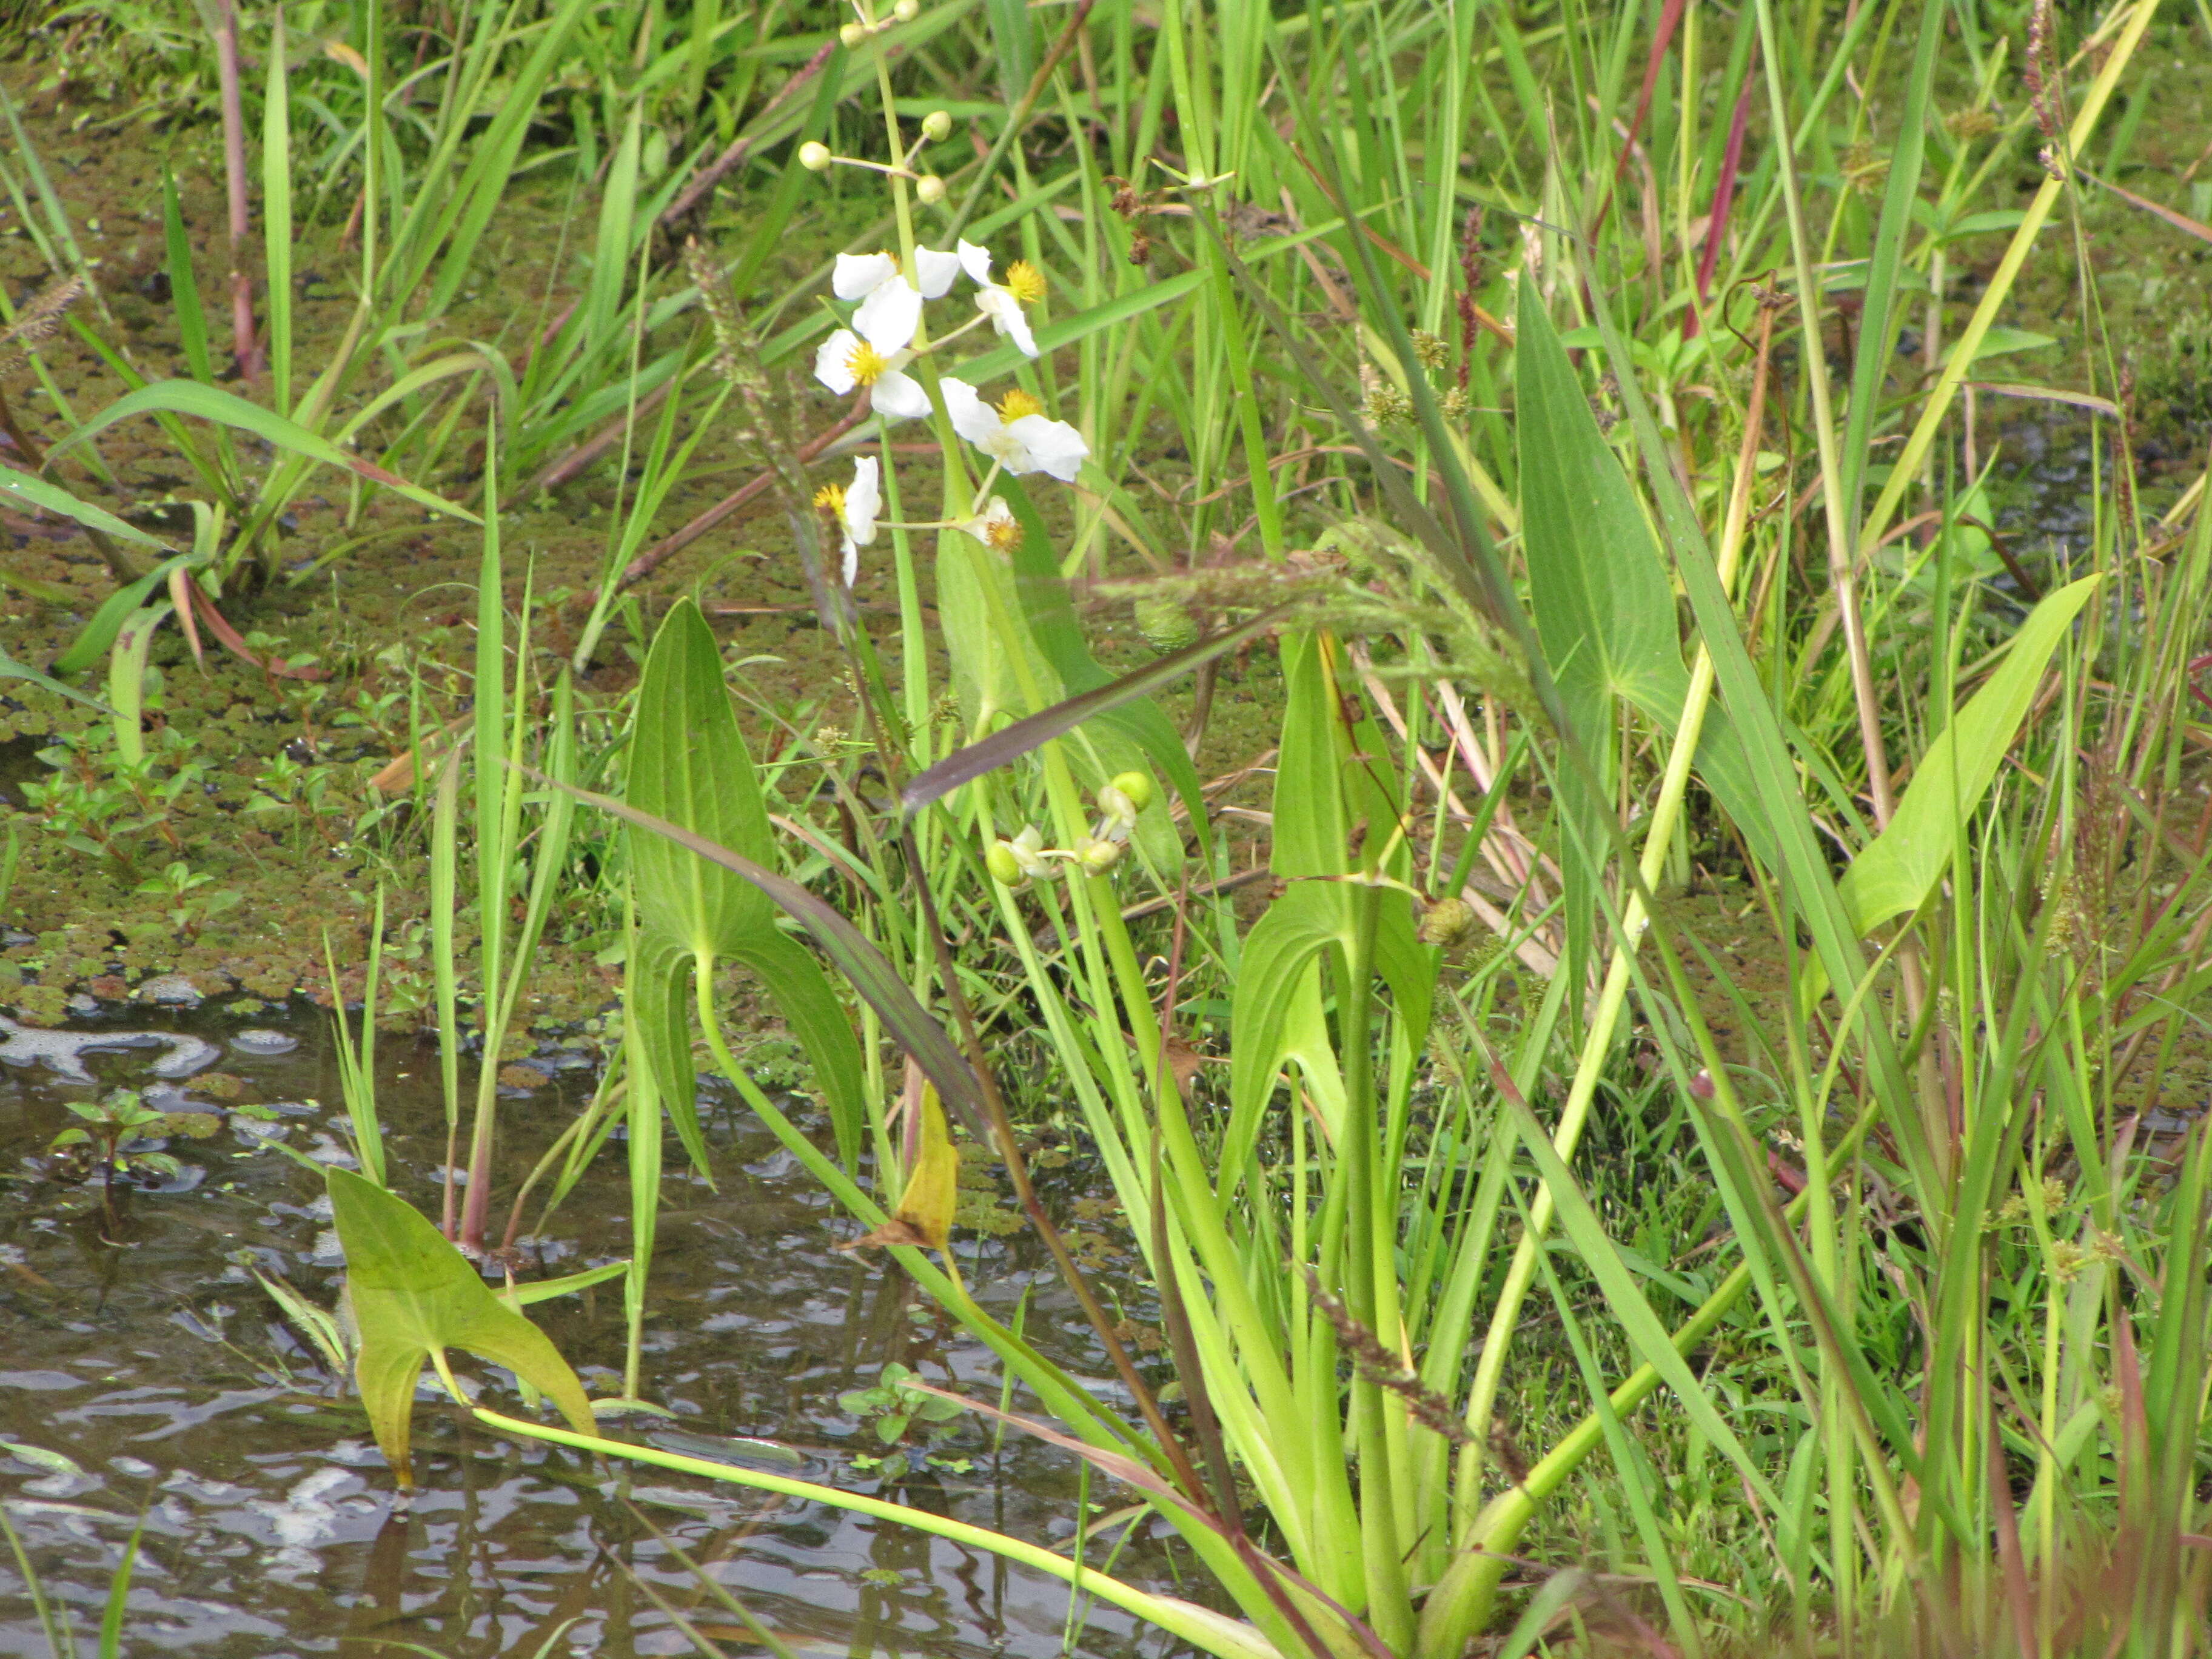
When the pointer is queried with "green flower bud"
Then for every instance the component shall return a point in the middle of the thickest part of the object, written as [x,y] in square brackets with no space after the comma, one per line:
[907,10]
[1137,785]
[814,157]
[929,189]
[937,126]
[852,34]
[1005,865]
[1097,857]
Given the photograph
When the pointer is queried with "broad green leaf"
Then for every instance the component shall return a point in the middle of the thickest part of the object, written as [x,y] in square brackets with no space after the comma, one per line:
[37,493]
[689,765]
[211,402]
[1603,606]
[415,1296]
[1894,876]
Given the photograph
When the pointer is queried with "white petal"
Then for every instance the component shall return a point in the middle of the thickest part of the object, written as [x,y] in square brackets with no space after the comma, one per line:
[864,499]
[833,360]
[899,397]
[852,562]
[858,273]
[975,261]
[889,316]
[1005,315]
[972,418]
[1054,446]
[936,270]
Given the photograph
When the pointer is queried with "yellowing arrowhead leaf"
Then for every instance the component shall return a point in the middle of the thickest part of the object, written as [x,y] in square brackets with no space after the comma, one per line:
[932,1186]
[414,1295]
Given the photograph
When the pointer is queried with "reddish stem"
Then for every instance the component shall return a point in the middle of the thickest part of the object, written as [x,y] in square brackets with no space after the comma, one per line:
[1724,199]
[243,343]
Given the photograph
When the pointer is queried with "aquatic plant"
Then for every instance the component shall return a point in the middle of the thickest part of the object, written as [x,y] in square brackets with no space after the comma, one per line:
[1494,1212]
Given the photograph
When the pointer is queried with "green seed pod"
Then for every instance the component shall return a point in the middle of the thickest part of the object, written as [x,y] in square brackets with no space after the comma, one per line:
[1137,785]
[1098,857]
[1004,866]
[1450,922]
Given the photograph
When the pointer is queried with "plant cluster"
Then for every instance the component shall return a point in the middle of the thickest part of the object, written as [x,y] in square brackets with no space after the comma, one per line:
[1501,1218]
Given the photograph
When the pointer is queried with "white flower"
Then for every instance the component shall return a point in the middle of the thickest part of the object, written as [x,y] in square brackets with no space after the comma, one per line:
[900,396]
[1002,304]
[995,526]
[856,507]
[1029,849]
[890,306]
[845,360]
[1016,433]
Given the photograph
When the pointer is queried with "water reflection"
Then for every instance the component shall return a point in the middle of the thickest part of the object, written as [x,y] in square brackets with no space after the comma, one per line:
[152,1377]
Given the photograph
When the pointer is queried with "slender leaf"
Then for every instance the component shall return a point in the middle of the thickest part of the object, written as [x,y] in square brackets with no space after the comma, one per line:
[211,403]
[41,496]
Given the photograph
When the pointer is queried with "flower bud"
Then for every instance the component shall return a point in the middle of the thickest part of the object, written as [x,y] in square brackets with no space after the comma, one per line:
[929,189]
[1005,865]
[937,126]
[813,156]
[1137,785]
[1097,857]
[1118,810]
[852,34]
[907,10]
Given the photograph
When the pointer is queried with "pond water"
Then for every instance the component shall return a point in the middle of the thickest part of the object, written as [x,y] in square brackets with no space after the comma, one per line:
[146,1355]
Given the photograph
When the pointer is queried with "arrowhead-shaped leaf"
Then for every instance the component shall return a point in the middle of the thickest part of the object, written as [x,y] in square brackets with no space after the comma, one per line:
[413,1296]
[1894,876]
[688,764]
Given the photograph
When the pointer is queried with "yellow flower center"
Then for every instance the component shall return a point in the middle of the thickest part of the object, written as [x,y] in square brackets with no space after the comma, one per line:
[830,498]
[1025,282]
[1004,535]
[867,364]
[1017,403]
